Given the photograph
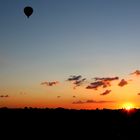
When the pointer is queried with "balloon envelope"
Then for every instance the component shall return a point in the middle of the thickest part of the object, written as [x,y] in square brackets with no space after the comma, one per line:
[28,11]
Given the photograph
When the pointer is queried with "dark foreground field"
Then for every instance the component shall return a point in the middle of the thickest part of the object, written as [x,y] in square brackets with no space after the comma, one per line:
[70,124]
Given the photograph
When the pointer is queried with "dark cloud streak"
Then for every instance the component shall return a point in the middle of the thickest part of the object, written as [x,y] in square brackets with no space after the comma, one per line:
[77,80]
[101,82]
[106,78]
[4,96]
[106,92]
[49,83]
[91,101]
[74,78]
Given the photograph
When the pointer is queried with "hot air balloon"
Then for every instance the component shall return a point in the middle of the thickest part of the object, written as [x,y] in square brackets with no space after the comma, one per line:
[28,11]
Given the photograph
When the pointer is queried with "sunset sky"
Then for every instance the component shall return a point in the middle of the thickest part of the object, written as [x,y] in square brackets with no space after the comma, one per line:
[82,54]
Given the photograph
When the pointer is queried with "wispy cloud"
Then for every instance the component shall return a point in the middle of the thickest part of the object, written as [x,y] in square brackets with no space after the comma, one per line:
[137,72]
[49,83]
[91,101]
[74,78]
[101,82]
[96,85]
[122,83]
[106,92]
[4,96]
[106,78]
[78,102]
[77,80]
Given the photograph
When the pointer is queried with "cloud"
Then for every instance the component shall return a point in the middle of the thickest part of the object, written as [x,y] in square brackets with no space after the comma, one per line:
[4,96]
[58,96]
[106,78]
[77,80]
[100,101]
[74,78]
[106,92]
[96,85]
[74,96]
[101,82]
[91,101]
[78,102]
[122,83]
[138,94]
[137,72]
[49,83]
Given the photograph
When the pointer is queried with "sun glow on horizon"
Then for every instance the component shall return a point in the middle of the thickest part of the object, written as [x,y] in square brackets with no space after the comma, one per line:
[128,106]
